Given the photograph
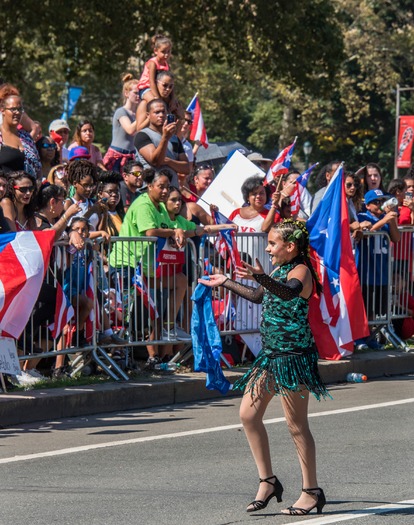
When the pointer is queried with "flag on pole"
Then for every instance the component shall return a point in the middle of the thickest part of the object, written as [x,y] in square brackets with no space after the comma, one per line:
[281,164]
[198,130]
[337,317]
[142,289]
[24,258]
[226,241]
[63,312]
[301,198]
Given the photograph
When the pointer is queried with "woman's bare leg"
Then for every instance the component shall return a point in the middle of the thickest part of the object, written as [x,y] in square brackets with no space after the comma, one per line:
[295,407]
[252,411]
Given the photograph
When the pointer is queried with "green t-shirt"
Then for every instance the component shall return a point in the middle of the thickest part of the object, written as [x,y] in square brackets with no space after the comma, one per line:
[141,216]
[183,223]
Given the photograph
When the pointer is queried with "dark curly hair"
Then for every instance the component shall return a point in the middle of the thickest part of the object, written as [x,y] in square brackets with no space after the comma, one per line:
[80,169]
[48,191]
[251,184]
[16,176]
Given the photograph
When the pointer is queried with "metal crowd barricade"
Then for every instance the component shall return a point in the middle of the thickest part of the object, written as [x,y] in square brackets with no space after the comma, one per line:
[381,267]
[75,270]
[235,315]
[402,281]
[117,301]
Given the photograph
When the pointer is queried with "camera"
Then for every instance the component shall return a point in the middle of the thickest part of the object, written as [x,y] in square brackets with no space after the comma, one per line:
[409,195]
[170,118]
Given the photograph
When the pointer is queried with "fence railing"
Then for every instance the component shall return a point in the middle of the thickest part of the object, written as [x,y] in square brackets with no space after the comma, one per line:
[145,308]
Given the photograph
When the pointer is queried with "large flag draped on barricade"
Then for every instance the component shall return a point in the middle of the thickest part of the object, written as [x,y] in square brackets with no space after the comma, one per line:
[337,317]
[142,289]
[207,346]
[226,241]
[24,258]
[198,129]
[63,312]
[301,198]
[281,164]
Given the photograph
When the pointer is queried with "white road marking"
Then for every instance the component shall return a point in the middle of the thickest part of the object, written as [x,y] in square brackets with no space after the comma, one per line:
[354,514]
[85,448]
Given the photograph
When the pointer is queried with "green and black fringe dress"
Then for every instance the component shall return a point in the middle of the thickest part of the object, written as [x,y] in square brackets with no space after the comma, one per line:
[288,360]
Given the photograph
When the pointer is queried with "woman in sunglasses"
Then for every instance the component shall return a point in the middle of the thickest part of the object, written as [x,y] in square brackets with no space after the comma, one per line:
[165,84]
[17,149]
[49,156]
[19,203]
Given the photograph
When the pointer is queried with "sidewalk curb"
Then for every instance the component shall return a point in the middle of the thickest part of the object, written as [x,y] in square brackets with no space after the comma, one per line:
[39,405]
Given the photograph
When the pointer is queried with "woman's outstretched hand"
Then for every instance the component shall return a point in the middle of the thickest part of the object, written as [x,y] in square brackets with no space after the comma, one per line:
[247,270]
[216,279]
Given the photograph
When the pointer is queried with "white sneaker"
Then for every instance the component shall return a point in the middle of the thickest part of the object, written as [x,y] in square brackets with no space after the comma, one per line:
[37,375]
[24,379]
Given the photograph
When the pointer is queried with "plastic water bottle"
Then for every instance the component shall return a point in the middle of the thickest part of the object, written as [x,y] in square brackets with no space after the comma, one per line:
[390,203]
[355,377]
[166,367]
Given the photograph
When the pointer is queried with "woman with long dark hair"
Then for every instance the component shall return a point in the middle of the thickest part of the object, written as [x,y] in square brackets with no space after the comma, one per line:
[84,136]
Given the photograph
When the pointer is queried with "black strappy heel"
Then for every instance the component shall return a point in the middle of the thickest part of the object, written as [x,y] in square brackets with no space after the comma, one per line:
[320,503]
[259,504]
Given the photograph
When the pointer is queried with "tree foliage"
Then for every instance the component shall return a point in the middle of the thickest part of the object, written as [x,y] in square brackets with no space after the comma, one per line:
[325,70]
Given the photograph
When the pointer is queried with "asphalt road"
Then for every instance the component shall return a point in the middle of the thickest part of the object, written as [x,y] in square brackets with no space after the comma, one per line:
[191,465]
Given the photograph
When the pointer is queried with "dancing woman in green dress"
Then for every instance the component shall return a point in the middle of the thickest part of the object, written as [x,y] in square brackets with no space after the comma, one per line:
[287,365]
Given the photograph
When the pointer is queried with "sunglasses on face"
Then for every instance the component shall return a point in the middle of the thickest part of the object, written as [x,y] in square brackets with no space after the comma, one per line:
[350,185]
[189,121]
[377,202]
[24,189]
[135,173]
[46,145]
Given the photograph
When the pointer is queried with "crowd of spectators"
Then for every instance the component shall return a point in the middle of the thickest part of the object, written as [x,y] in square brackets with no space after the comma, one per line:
[147,184]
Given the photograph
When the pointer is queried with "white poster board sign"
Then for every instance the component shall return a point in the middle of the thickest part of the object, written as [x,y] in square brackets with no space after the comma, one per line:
[225,190]
[9,362]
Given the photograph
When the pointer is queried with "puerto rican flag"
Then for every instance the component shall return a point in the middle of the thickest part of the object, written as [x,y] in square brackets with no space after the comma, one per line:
[301,198]
[142,289]
[93,320]
[198,130]
[281,164]
[226,241]
[63,312]
[337,317]
[24,258]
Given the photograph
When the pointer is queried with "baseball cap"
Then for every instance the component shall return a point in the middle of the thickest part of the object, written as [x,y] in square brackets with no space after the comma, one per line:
[258,157]
[79,152]
[58,124]
[373,195]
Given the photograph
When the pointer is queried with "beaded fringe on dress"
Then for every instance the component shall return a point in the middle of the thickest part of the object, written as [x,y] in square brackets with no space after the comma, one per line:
[283,374]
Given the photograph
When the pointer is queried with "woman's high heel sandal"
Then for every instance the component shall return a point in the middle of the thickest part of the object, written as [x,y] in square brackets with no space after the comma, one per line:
[320,503]
[259,504]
